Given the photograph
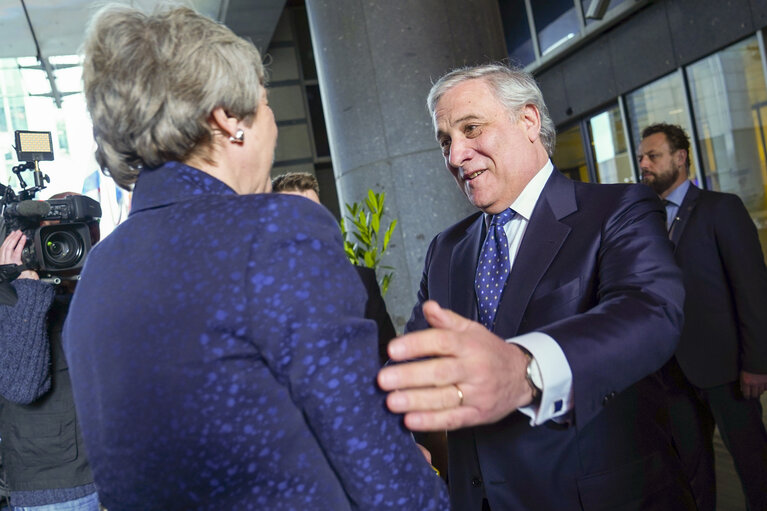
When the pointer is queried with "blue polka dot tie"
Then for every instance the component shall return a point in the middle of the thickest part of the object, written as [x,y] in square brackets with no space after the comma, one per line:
[493,268]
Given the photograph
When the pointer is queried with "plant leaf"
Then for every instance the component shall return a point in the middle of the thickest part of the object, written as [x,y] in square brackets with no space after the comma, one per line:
[363,238]
[387,236]
[375,221]
[371,204]
[363,225]
[385,283]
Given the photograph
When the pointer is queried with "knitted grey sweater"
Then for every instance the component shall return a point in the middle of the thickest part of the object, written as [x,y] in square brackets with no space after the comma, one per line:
[25,372]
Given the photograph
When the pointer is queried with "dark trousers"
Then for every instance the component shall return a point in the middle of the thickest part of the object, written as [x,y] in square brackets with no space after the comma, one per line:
[694,413]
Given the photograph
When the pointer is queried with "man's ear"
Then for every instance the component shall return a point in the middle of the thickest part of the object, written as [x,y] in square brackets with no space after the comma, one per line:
[681,156]
[531,118]
[221,120]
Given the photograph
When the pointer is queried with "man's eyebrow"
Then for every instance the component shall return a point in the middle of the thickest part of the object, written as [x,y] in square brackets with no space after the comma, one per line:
[467,117]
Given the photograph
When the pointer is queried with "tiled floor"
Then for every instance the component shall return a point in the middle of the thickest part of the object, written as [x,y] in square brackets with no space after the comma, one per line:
[729,495]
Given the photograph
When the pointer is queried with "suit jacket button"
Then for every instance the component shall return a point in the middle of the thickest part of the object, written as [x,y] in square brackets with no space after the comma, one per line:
[476,482]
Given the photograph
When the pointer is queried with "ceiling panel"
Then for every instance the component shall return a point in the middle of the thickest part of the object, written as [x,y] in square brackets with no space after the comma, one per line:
[59,24]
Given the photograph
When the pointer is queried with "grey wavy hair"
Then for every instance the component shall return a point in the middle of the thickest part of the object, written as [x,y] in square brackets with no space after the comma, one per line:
[514,87]
[151,82]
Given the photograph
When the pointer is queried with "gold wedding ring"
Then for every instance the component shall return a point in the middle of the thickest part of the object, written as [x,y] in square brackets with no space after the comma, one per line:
[460,394]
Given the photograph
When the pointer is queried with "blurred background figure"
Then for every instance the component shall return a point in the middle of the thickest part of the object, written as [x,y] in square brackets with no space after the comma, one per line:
[43,453]
[306,185]
[218,351]
[298,183]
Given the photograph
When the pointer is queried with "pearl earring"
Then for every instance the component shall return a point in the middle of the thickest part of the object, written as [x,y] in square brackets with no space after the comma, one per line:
[238,137]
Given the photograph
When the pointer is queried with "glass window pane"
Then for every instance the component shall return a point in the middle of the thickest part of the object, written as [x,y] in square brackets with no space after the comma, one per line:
[729,99]
[556,22]
[569,157]
[661,101]
[608,146]
[516,29]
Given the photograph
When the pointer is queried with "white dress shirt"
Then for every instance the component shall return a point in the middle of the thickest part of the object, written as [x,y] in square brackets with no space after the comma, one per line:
[556,396]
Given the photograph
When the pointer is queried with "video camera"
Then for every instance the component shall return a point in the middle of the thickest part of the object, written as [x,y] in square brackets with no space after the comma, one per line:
[51,249]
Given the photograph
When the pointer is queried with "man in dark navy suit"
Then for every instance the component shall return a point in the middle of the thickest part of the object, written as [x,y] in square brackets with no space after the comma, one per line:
[719,369]
[549,396]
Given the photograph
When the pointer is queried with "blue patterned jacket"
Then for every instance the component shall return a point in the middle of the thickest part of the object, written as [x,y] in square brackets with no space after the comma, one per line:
[220,360]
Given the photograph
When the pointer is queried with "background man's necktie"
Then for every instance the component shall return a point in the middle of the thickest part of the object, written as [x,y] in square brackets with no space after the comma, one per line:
[493,268]
[669,209]
[671,216]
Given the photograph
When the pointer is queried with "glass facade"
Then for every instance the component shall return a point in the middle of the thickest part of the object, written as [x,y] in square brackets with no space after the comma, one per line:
[661,101]
[729,99]
[719,100]
[609,147]
[519,40]
[569,155]
[556,22]
[536,30]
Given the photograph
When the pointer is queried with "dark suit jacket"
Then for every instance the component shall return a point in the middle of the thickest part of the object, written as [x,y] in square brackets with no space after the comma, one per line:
[717,247]
[595,271]
[375,309]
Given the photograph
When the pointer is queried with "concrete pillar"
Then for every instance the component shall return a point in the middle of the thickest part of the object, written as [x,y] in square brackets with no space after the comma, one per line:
[376,60]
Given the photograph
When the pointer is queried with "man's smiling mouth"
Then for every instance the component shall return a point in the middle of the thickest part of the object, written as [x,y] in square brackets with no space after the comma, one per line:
[473,175]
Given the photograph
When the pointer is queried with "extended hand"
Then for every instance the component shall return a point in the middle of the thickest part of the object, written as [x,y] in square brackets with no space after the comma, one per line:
[474,378]
[752,385]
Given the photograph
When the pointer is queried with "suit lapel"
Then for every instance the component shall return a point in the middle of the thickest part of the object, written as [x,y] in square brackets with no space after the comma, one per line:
[684,213]
[543,238]
[463,267]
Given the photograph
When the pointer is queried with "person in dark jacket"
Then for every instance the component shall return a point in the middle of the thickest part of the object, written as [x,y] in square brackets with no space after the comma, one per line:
[719,369]
[551,309]
[44,459]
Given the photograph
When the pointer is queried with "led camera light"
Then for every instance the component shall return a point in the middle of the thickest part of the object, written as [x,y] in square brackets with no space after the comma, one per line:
[34,145]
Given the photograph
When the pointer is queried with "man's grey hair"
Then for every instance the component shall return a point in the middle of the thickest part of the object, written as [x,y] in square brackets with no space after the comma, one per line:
[514,87]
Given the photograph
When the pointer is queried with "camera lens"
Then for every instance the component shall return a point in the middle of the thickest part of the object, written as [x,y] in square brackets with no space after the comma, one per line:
[62,249]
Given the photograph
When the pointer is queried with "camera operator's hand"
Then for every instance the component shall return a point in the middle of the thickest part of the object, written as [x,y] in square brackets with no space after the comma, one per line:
[10,253]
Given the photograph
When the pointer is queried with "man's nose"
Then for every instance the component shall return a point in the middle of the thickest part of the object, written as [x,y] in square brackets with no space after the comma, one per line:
[459,153]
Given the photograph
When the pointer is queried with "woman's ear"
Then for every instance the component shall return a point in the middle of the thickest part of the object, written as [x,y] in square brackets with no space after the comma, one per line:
[221,120]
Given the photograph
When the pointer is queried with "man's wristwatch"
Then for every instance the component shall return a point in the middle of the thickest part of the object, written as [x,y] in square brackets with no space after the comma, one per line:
[533,374]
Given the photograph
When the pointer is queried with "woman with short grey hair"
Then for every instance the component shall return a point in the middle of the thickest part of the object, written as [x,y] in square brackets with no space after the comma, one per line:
[217,346]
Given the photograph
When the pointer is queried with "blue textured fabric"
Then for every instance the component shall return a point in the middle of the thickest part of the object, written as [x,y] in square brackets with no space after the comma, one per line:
[220,360]
[88,503]
[493,268]
[35,499]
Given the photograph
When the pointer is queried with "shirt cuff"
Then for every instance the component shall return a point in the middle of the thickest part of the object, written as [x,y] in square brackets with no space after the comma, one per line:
[556,394]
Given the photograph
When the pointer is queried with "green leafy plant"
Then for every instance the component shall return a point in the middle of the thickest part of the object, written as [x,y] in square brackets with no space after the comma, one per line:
[369,241]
